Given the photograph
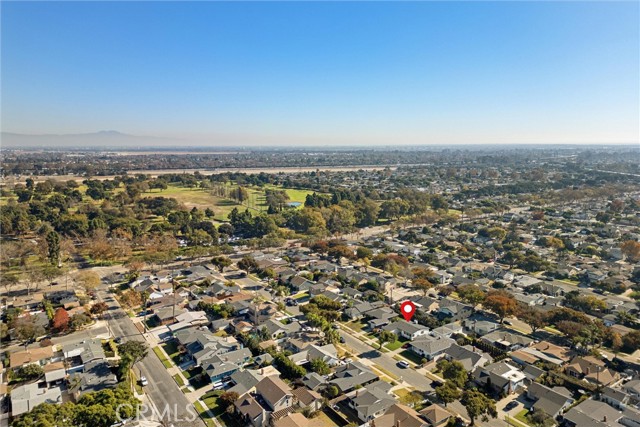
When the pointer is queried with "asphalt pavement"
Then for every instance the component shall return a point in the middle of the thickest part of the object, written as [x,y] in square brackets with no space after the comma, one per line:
[168,401]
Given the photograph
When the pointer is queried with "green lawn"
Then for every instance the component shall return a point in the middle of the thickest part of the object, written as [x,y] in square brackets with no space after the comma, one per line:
[410,355]
[166,362]
[179,380]
[171,348]
[202,411]
[214,406]
[355,325]
[522,416]
[394,345]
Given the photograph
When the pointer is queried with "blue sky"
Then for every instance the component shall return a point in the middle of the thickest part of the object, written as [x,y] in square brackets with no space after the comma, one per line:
[325,73]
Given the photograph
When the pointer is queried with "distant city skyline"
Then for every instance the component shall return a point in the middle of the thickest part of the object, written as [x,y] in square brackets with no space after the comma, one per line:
[314,74]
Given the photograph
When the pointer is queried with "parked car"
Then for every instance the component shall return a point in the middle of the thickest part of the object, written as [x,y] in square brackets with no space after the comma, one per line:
[403,364]
[509,406]
[507,322]
[406,345]
[342,340]
[143,381]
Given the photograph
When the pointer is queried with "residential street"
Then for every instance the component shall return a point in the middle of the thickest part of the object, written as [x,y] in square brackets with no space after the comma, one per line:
[169,402]
[410,376]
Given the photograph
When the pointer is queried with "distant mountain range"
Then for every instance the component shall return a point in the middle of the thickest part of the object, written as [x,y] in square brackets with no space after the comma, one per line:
[102,139]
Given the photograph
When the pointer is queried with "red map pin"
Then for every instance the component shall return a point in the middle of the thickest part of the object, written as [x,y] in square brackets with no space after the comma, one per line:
[408,309]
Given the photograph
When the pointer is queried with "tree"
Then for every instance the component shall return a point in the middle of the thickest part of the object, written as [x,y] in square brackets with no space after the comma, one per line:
[471,294]
[78,320]
[98,308]
[228,398]
[539,418]
[478,405]
[320,367]
[88,280]
[534,317]
[386,336]
[448,392]
[422,285]
[31,371]
[131,352]
[26,328]
[631,341]
[53,247]
[631,249]
[221,262]
[60,321]
[248,264]
[453,371]
[501,303]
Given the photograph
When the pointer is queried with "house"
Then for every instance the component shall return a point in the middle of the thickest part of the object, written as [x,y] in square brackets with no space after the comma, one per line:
[596,413]
[54,373]
[327,353]
[590,369]
[26,397]
[200,344]
[500,376]
[448,330]
[407,330]
[480,327]
[615,397]
[189,319]
[244,381]
[506,340]
[453,310]
[277,329]
[470,357]
[251,412]
[436,415]
[371,401]
[260,313]
[96,376]
[220,366]
[294,419]
[632,388]
[167,315]
[37,355]
[78,354]
[552,401]
[306,398]
[354,374]
[431,348]
[275,393]
[314,381]
[399,415]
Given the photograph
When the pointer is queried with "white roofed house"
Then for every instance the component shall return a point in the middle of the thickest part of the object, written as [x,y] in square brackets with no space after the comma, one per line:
[500,376]
[407,330]
[431,348]
[26,397]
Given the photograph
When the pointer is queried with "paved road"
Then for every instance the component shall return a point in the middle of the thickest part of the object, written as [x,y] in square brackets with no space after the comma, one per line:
[162,389]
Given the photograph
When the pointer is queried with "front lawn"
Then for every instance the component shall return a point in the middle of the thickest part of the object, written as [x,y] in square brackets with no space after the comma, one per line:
[394,345]
[171,348]
[522,416]
[410,355]
[179,380]
[166,362]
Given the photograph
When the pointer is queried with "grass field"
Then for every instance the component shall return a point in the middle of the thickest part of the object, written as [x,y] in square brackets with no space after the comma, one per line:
[394,345]
[203,198]
[179,380]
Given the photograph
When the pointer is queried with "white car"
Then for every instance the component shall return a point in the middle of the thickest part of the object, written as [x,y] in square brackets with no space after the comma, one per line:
[143,381]
[403,364]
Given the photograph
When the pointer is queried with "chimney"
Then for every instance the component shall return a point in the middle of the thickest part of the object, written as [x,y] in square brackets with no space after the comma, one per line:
[397,423]
[261,371]
[604,419]
[587,371]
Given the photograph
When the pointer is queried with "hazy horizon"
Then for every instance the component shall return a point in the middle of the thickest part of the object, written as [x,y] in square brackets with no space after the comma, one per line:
[320,74]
